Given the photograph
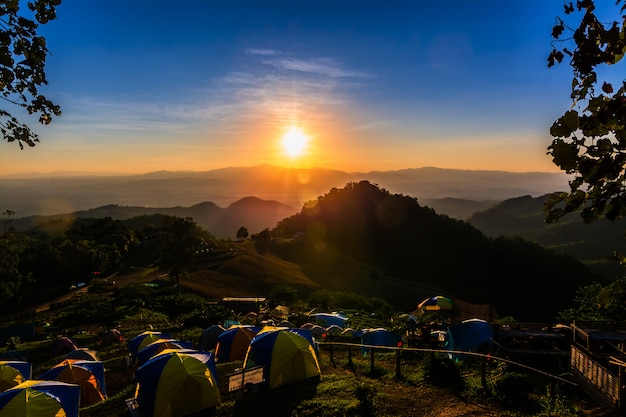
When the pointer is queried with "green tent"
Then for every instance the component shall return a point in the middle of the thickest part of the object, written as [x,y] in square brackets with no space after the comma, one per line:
[286,357]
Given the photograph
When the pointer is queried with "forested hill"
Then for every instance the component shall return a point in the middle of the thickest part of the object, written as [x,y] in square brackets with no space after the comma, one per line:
[592,244]
[395,233]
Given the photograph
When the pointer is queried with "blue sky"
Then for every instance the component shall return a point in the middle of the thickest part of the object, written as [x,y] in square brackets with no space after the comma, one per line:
[196,85]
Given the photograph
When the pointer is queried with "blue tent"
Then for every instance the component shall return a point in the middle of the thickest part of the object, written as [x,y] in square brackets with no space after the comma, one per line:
[469,336]
[208,338]
[328,319]
[233,343]
[13,373]
[285,356]
[159,345]
[40,398]
[89,375]
[379,337]
[144,339]
[177,383]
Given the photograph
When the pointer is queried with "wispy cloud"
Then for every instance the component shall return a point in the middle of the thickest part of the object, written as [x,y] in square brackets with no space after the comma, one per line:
[260,51]
[273,90]
[320,66]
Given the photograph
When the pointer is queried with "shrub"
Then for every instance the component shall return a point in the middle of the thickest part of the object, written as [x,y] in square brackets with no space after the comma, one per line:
[365,393]
[514,388]
[442,371]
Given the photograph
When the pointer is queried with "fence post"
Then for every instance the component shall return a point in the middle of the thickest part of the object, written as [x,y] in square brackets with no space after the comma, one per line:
[372,360]
[350,356]
[399,361]
[332,356]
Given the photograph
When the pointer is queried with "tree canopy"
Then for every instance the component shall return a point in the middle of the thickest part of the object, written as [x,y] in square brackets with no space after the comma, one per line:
[22,67]
[590,138]
[364,224]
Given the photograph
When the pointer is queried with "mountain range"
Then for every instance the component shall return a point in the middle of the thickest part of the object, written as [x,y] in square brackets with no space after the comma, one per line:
[463,191]
[593,244]
[250,212]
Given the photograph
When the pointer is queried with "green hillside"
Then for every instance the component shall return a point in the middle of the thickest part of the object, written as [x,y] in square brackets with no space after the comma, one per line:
[360,239]
[412,244]
[593,244]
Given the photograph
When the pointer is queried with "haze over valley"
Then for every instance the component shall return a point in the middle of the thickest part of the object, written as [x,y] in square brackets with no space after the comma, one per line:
[474,190]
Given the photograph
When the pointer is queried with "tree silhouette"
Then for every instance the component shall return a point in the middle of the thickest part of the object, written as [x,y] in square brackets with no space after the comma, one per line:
[242,233]
[590,138]
[22,61]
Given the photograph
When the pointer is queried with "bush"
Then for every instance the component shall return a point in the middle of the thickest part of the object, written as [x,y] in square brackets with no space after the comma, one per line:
[442,371]
[514,389]
[365,393]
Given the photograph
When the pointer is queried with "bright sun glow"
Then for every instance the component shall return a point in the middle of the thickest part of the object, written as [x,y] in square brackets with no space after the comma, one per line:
[294,142]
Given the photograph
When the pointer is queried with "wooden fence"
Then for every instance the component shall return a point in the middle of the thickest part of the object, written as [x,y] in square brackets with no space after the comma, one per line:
[600,383]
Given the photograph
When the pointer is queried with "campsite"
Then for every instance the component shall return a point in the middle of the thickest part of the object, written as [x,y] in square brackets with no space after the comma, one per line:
[295,324]
[342,377]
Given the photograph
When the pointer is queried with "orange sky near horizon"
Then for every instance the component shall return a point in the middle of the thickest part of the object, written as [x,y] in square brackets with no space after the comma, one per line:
[404,85]
[350,155]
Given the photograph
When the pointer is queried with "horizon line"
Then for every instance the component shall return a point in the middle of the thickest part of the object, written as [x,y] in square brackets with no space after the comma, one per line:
[69,173]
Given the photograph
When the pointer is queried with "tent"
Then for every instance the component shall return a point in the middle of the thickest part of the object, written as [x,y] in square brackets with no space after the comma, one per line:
[379,337]
[334,329]
[473,335]
[83,354]
[208,338]
[159,345]
[286,357]
[328,319]
[317,330]
[13,373]
[62,346]
[111,336]
[40,399]
[232,345]
[177,383]
[144,339]
[89,375]
[436,303]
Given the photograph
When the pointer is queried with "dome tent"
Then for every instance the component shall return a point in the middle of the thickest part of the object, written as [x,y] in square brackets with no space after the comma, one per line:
[88,375]
[286,357]
[471,335]
[160,345]
[83,354]
[13,373]
[379,337]
[35,398]
[208,338]
[62,346]
[111,336]
[177,383]
[233,344]
[144,339]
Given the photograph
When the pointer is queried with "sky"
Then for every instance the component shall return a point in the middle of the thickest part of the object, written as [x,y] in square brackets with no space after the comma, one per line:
[151,85]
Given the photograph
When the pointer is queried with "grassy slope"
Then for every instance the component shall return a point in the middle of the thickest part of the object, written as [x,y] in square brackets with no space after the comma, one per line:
[342,389]
[248,273]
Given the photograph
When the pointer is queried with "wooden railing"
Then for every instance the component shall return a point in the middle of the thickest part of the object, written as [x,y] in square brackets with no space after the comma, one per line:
[597,380]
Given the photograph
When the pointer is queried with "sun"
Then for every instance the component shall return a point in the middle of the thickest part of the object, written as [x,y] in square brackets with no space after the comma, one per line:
[294,142]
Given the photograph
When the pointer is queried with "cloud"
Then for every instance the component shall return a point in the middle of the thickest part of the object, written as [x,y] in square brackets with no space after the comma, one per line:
[320,66]
[268,92]
[261,51]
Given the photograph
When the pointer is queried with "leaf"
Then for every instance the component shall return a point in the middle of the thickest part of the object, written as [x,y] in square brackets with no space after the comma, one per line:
[565,155]
[557,30]
[566,125]
[607,88]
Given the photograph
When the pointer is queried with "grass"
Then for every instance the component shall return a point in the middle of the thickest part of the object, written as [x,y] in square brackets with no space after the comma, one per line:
[345,387]
[341,390]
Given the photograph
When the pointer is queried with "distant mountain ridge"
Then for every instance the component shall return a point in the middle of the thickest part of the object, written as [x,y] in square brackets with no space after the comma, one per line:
[293,187]
[524,216]
[250,212]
